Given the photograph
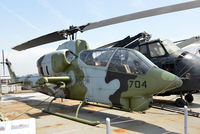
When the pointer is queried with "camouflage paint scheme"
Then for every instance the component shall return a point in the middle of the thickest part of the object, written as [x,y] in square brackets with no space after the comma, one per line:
[64,73]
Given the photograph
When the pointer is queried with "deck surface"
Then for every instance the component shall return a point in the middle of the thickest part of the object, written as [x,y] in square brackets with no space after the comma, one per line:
[153,121]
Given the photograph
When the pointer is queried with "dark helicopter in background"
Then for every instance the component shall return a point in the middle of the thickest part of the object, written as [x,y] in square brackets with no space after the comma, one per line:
[166,55]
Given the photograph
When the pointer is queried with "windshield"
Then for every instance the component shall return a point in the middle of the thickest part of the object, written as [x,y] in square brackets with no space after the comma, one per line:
[144,59]
[170,46]
[156,49]
[96,57]
[129,61]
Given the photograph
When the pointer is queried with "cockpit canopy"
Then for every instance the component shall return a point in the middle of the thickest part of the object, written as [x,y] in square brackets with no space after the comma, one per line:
[158,48]
[170,46]
[120,60]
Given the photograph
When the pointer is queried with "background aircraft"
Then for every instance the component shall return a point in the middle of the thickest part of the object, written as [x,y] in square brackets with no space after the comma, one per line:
[191,45]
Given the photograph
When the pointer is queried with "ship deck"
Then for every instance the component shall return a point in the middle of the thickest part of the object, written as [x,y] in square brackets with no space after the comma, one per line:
[152,121]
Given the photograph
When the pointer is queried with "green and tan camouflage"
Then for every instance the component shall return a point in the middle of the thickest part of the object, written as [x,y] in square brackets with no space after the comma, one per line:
[117,77]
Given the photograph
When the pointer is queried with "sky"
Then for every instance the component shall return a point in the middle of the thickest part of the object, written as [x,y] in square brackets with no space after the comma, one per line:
[23,20]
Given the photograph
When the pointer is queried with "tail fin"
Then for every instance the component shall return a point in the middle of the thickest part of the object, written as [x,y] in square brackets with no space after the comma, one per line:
[13,76]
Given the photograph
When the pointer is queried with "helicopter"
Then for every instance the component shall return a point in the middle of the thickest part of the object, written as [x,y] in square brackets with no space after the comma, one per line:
[118,77]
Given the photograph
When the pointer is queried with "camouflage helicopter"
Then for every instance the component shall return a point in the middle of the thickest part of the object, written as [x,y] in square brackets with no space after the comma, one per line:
[118,77]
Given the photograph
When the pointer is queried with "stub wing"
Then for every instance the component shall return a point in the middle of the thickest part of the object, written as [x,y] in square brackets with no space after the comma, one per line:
[59,81]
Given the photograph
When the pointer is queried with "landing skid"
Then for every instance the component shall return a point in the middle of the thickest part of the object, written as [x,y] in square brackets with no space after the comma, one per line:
[74,118]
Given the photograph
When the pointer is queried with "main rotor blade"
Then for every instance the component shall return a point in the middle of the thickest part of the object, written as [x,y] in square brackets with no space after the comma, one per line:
[55,36]
[60,35]
[143,14]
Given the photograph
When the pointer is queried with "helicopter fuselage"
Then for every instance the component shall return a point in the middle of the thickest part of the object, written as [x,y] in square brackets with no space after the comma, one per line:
[118,77]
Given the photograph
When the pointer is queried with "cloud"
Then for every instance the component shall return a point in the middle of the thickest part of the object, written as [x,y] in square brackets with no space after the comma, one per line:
[19,17]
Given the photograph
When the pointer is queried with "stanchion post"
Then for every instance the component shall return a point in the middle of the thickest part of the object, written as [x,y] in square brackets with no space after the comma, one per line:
[107,125]
[185,120]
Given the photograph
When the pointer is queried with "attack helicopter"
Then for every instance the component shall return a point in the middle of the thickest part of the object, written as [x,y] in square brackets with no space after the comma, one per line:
[118,77]
[166,55]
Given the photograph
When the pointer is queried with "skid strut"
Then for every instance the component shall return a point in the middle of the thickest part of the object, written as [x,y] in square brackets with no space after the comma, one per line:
[74,118]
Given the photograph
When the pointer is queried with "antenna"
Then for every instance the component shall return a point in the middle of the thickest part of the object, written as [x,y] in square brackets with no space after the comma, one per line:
[3,62]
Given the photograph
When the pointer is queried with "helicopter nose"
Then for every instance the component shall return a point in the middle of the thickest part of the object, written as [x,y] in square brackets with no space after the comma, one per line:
[162,81]
[171,81]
